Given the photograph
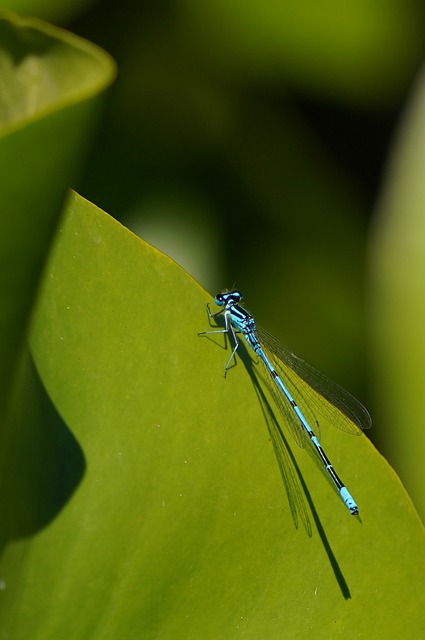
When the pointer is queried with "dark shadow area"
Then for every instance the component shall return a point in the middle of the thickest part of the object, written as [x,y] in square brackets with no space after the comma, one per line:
[25,42]
[41,462]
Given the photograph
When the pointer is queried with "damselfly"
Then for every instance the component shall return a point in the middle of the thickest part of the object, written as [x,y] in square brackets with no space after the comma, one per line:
[300,390]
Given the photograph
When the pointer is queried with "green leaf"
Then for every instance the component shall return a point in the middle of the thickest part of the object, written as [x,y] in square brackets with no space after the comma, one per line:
[398,303]
[175,522]
[50,83]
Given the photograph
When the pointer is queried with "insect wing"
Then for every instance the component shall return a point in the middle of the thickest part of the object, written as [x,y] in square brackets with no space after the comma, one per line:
[314,392]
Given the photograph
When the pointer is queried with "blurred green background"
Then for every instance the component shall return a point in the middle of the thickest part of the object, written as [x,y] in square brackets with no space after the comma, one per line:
[248,141]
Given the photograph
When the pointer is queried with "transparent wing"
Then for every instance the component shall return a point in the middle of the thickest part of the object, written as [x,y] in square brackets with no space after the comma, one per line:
[314,392]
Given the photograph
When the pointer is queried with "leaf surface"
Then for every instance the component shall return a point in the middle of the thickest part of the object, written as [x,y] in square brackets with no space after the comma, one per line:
[178,524]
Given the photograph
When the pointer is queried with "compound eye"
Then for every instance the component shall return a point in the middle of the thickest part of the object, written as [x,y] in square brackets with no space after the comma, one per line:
[219,299]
